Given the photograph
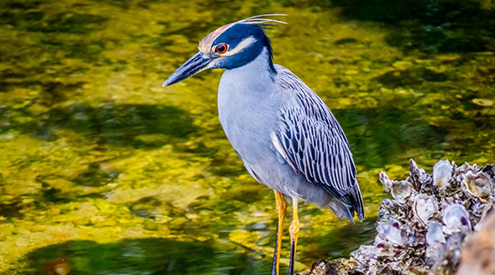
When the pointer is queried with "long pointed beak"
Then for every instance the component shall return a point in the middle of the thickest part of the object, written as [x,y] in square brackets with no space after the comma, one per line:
[194,65]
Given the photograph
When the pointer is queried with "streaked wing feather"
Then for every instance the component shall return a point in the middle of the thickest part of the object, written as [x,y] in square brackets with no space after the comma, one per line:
[311,140]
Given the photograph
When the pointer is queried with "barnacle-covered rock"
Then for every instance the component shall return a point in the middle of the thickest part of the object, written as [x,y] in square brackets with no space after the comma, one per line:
[422,228]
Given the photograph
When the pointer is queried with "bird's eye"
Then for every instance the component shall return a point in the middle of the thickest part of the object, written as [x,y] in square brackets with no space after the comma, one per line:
[221,48]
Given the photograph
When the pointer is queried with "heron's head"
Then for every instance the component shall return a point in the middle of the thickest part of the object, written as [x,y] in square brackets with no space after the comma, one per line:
[229,47]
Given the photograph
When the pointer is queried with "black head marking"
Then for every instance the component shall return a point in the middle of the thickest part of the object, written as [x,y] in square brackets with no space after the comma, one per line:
[238,33]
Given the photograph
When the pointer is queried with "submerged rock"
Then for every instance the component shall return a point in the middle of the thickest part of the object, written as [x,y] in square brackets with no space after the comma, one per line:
[422,229]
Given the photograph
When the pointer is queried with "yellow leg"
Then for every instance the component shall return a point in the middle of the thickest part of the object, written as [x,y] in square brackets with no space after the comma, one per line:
[281,210]
[294,233]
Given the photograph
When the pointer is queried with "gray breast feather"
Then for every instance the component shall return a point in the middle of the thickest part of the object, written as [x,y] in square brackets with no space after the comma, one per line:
[312,142]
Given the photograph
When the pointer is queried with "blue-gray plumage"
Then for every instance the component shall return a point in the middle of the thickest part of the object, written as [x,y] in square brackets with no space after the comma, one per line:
[287,137]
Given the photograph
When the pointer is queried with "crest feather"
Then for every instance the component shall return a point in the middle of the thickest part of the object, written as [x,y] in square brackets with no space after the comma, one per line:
[207,42]
[262,20]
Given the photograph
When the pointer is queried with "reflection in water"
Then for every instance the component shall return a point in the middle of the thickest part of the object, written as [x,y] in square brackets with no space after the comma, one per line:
[145,256]
[136,125]
[102,171]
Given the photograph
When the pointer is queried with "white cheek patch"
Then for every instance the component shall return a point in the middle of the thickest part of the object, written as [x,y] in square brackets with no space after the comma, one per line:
[209,66]
[241,46]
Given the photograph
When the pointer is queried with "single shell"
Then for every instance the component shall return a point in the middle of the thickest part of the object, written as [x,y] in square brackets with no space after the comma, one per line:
[442,172]
[434,254]
[434,234]
[383,247]
[387,183]
[418,177]
[477,184]
[401,190]
[425,207]
[486,209]
[364,255]
[391,231]
[456,219]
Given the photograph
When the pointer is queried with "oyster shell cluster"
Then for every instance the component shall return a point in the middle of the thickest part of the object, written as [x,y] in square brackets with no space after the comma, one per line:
[421,230]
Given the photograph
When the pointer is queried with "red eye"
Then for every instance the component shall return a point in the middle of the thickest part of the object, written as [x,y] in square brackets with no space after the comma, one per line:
[221,48]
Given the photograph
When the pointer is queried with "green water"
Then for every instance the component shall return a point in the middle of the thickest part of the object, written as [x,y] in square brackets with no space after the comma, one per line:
[102,171]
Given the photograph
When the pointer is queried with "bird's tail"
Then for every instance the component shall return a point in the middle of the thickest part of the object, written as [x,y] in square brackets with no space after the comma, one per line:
[350,203]
[357,202]
[341,210]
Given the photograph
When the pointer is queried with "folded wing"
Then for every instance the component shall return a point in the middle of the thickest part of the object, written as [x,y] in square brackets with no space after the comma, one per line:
[312,142]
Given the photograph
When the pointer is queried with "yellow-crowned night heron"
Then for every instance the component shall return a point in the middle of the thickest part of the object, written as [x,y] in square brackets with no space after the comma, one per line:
[286,136]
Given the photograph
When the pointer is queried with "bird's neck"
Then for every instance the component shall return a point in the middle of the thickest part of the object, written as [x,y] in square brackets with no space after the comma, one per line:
[255,77]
